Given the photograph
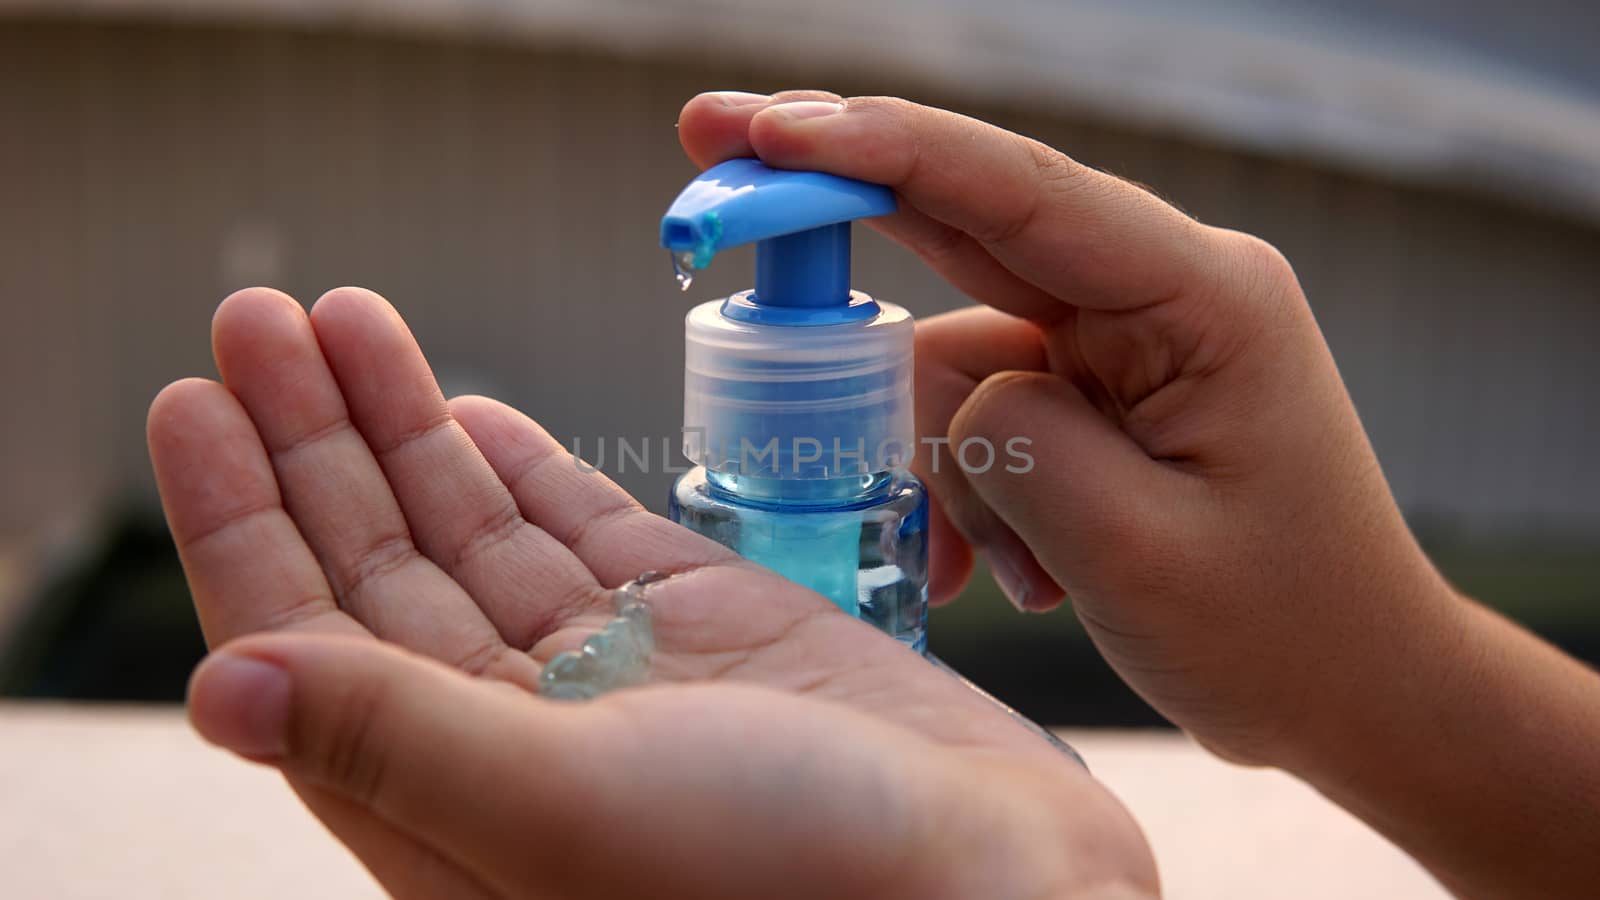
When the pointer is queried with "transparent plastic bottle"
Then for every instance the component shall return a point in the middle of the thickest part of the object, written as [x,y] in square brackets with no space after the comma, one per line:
[862,542]
[797,398]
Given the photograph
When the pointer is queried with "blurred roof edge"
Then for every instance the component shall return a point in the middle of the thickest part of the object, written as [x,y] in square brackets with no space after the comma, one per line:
[1375,101]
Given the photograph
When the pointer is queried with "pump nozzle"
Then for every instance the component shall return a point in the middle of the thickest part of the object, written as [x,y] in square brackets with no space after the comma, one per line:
[801,378]
[799,221]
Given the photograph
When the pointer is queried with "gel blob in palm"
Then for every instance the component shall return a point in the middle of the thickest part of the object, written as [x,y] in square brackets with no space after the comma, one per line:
[797,396]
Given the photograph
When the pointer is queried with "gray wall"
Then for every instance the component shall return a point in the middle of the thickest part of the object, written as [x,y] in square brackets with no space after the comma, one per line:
[506,200]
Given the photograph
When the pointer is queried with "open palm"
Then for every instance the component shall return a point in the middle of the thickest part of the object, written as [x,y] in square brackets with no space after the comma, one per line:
[329,493]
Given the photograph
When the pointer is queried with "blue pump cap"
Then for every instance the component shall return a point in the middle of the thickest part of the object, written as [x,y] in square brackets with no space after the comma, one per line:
[765,400]
[800,223]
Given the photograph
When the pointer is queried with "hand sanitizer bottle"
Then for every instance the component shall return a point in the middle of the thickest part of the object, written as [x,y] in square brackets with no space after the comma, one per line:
[797,396]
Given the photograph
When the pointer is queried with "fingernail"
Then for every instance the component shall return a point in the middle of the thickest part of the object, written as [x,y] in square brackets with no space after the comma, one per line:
[1009,576]
[241,703]
[807,109]
[740,98]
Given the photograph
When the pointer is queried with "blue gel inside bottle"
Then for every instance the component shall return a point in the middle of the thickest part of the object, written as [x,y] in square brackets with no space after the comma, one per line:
[860,542]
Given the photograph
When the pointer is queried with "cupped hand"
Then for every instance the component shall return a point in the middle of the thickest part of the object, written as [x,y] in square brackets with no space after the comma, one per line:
[1201,486]
[383,572]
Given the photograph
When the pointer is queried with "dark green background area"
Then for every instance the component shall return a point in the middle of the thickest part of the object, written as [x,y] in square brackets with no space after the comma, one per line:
[118,626]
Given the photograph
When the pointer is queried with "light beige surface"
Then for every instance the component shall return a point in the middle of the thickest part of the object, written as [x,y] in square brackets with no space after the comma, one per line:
[99,801]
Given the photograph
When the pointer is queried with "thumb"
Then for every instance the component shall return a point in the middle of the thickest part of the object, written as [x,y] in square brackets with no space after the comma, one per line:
[1088,501]
[457,763]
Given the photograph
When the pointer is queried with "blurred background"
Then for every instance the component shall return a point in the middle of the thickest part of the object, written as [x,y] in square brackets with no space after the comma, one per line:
[497,168]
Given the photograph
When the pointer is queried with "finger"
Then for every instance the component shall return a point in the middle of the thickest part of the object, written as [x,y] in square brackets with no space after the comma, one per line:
[586,511]
[715,127]
[406,867]
[1079,234]
[486,777]
[247,565]
[1100,495]
[968,265]
[334,489]
[955,352]
[949,556]
[544,799]
[460,514]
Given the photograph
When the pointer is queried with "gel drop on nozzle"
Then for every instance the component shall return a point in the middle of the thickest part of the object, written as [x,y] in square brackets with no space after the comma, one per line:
[797,395]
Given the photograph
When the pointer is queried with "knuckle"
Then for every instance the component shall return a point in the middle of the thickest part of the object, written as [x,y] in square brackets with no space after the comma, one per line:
[1257,280]
[492,530]
[1263,265]
[1048,173]
[879,103]
[1051,165]
[903,123]
[347,753]
[944,248]
[805,94]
